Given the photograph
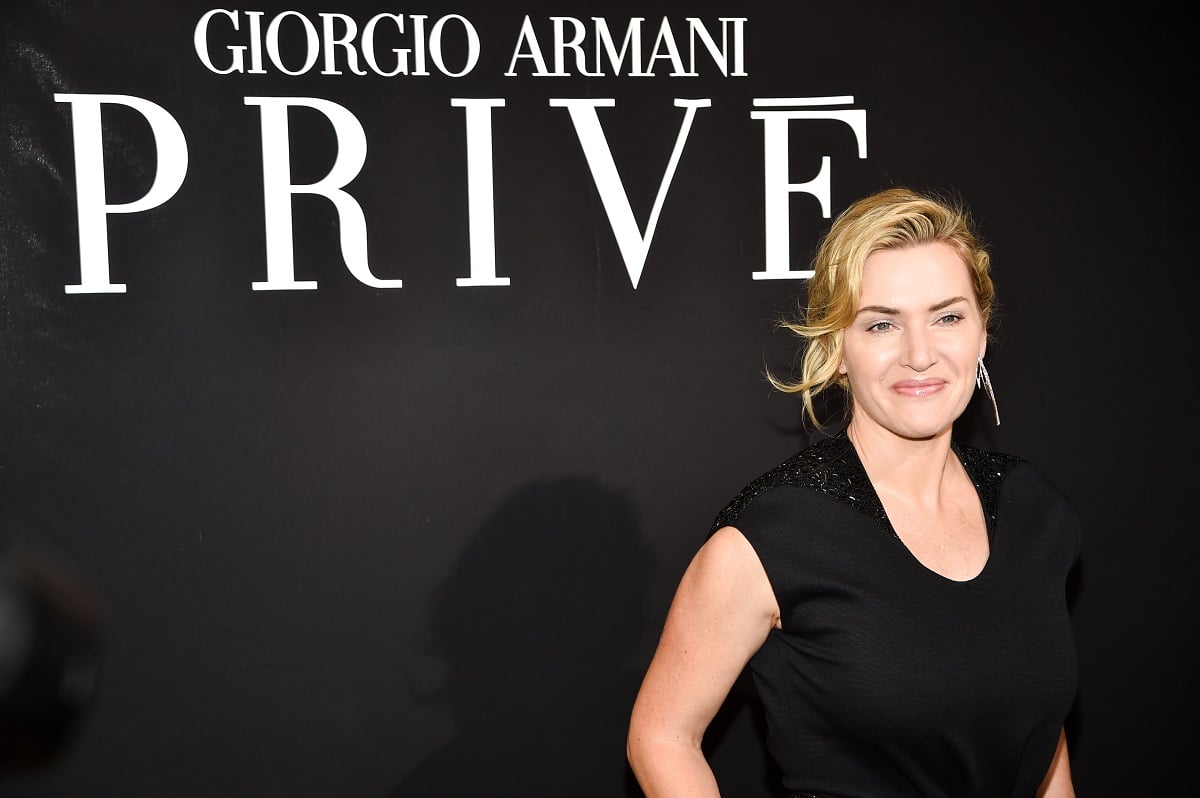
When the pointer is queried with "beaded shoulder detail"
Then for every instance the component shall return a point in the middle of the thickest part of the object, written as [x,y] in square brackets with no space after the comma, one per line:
[832,467]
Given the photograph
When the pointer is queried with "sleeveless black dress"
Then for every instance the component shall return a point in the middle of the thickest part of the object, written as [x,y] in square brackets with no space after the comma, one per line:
[888,679]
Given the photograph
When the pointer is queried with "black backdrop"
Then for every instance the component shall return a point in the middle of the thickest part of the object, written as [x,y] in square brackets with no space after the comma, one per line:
[419,540]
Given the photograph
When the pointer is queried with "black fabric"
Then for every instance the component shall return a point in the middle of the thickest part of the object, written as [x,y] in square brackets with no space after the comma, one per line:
[888,679]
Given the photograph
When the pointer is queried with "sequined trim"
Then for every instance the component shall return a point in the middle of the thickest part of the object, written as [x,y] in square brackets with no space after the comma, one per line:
[832,467]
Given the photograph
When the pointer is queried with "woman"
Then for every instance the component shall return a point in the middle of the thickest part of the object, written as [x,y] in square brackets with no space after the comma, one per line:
[898,596]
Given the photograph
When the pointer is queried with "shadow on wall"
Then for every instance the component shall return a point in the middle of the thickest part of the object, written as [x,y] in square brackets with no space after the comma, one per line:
[51,639]
[539,625]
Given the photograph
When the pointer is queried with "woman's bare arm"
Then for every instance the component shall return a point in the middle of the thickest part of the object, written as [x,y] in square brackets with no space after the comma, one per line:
[1057,783]
[722,612]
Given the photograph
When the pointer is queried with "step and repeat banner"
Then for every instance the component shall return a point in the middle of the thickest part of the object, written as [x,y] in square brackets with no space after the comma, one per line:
[370,373]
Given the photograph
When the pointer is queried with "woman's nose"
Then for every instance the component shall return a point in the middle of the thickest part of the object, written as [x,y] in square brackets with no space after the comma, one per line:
[917,353]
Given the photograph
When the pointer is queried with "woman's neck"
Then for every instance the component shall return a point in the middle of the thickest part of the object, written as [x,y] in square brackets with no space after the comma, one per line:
[895,464]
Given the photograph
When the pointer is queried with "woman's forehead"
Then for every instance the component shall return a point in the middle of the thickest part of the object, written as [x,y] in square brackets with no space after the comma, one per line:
[914,274]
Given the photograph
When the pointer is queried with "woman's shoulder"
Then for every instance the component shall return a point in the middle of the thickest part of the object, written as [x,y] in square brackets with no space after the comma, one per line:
[825,466]
[1026,493]
[992,469]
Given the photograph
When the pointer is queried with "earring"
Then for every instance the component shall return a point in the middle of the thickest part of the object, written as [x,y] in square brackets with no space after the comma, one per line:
[982,380]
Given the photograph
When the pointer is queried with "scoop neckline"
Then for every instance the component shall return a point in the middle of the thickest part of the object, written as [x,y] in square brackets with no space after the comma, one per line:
[881,515]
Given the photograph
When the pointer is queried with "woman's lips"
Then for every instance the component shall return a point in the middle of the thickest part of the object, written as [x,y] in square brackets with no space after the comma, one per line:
[918,387]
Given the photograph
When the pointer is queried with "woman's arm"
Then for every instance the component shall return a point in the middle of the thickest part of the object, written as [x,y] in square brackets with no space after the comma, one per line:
[1057,783]
[722,612]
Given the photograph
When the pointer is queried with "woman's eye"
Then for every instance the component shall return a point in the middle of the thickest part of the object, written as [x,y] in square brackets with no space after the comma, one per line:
[880,326]
[950,318]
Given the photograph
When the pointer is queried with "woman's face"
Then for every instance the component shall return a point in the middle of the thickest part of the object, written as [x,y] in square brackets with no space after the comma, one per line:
[910,354]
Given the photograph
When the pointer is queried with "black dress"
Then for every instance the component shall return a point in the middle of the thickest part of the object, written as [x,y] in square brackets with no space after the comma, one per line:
[888,679]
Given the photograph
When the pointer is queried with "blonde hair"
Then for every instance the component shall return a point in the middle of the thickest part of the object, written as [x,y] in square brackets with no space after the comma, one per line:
[894,218]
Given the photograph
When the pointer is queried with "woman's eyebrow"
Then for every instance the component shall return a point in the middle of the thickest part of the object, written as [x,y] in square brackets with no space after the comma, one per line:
[881,309]
[886,311]
[947,302]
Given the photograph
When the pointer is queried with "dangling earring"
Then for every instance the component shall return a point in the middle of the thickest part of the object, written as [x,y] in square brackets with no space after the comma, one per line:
[982,380]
